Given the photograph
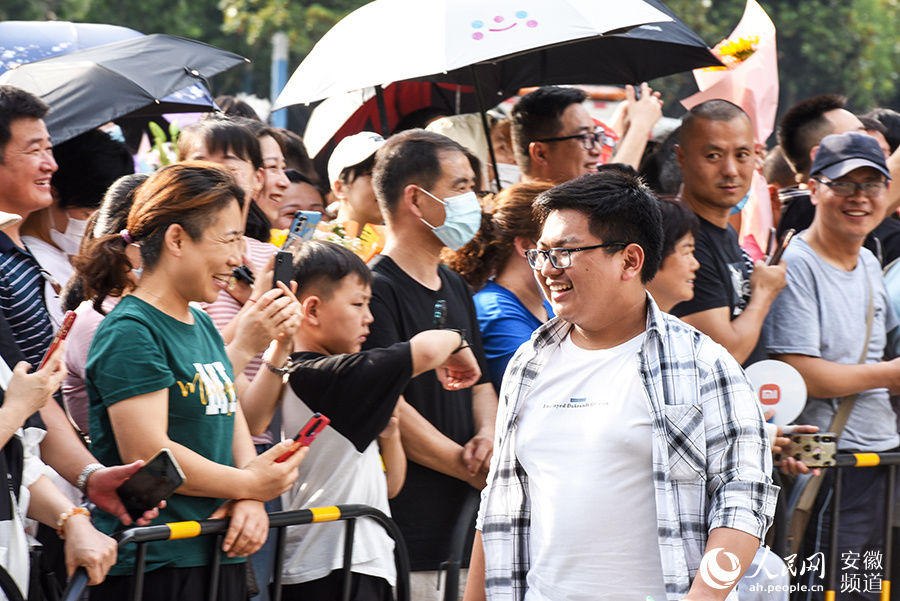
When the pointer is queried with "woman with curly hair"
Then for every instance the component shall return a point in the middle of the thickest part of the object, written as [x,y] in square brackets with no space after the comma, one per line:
[508,301]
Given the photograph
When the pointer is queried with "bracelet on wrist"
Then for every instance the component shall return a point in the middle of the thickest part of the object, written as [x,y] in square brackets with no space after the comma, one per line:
[281,371]
[65,515]
[463,343]
[86,472]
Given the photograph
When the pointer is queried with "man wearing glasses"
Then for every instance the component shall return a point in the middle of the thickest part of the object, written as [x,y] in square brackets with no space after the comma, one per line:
[555,139]
[628,444]
[819,323]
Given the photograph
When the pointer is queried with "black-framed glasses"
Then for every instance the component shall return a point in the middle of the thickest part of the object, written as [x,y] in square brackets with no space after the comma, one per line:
[561,258]
[588,139]
[845,188]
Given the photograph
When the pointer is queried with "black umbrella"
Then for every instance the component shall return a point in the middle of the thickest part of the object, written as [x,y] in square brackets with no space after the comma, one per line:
[91,87]
[637,55]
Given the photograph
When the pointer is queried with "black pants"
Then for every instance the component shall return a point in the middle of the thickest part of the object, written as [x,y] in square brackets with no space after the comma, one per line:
[362,588]
[177,584]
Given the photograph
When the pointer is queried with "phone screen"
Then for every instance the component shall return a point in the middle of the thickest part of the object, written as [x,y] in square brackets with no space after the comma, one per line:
[155,481]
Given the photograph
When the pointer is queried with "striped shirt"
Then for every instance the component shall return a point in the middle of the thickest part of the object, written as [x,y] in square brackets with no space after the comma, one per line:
[225,308]
[711,457]
[22,300]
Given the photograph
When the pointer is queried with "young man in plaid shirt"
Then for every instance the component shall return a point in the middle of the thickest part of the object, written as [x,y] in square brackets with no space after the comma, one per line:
[630,452]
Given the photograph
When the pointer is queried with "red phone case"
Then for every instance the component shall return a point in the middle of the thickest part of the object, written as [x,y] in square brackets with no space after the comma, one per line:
[68,320]
[307,433]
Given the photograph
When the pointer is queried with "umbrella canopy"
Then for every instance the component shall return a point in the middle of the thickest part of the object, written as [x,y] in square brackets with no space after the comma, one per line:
[28,41]
[356,111]
[393,40]
[90,87]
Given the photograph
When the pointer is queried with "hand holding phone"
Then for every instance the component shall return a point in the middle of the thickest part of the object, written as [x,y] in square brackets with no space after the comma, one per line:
[812,449]
[283,270]
[307,433]
[156,480]
[775,259]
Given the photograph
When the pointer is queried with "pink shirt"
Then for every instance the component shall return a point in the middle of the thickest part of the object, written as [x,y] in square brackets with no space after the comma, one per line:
[78,343]
[225,308]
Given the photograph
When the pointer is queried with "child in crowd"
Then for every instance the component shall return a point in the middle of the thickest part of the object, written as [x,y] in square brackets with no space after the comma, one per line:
[358,391]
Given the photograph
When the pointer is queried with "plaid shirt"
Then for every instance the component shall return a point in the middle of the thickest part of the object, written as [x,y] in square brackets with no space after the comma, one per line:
[711,457]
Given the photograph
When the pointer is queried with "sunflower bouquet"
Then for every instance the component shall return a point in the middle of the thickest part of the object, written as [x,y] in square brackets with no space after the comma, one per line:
[732,52]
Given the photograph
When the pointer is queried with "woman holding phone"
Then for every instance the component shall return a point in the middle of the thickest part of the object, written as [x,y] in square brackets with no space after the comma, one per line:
[159,376]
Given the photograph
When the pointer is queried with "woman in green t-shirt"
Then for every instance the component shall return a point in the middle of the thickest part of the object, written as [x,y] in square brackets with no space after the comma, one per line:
[159,376]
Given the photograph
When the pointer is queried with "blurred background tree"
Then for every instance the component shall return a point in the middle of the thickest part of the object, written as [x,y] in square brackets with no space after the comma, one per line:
[844,46]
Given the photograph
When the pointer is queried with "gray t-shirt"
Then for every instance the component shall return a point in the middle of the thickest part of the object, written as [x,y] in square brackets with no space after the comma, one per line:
[822,313]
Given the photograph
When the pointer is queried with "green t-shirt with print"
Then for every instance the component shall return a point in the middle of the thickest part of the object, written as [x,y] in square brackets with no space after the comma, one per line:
[138,349]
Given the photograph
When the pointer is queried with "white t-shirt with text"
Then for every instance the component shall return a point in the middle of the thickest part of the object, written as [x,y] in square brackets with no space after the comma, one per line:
[584,439]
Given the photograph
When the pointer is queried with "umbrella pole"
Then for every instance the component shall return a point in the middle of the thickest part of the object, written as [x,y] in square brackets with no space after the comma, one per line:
[484,124]
[382,111]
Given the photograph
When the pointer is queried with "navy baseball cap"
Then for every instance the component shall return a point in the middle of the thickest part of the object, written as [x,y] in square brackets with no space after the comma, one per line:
[839,154]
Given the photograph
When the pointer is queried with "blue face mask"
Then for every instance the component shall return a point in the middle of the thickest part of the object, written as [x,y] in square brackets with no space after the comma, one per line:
[737,208]
[462,218]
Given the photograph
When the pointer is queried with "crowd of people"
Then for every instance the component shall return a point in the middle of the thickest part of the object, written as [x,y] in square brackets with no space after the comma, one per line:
[563,337]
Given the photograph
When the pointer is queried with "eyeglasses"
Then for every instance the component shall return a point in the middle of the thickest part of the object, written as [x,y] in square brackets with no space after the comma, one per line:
[588,140]
[845,188]
[561,258]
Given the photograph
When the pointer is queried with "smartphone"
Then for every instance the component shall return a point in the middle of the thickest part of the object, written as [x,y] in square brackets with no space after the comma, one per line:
[773,240]
[284,268]
[68,320]
[776,256]
[302,229]
[813,450]
[155,481]
[307,433]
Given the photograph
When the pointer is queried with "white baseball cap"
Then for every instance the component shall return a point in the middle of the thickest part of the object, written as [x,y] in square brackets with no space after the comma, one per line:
[8,219]
[352,150]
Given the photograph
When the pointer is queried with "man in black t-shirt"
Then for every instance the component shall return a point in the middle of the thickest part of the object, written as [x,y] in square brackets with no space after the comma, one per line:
[731,295]
[424,184]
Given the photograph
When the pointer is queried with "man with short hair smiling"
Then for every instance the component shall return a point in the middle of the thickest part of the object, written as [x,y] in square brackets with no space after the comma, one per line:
[832,323]
[628,444]
[731,294]
[555,139]
[26,167]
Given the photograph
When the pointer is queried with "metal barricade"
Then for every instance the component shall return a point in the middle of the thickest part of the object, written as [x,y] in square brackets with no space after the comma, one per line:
[465,525]
[280,520]
[862,460]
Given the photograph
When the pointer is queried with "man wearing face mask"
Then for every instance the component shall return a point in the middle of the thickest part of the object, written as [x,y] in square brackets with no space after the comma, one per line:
[425,188]
[88,164]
